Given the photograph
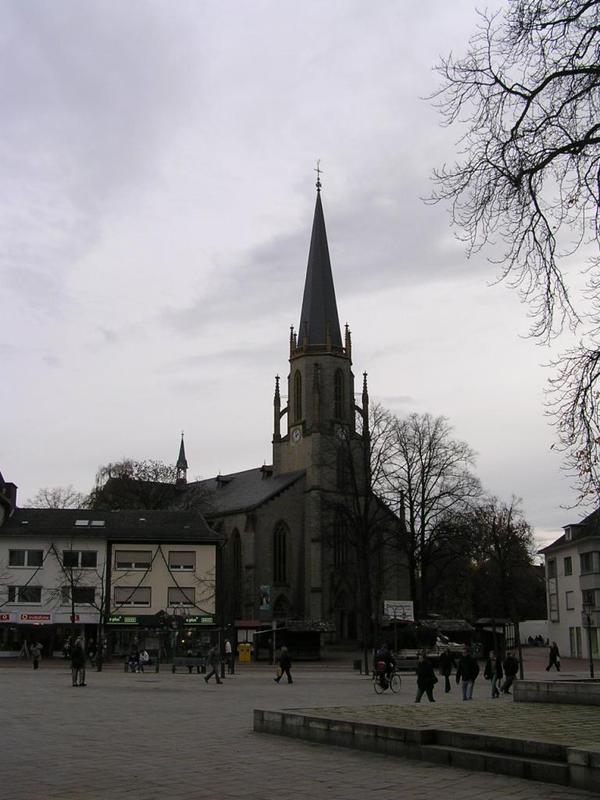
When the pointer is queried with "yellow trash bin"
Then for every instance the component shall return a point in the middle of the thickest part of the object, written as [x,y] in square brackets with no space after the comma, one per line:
[244,652]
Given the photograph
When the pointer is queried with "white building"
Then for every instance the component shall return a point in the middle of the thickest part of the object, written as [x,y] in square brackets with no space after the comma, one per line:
[573,587]
[64,571]
[48,558]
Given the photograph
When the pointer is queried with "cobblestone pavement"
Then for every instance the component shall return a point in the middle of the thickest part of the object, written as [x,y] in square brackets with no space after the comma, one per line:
[173,736]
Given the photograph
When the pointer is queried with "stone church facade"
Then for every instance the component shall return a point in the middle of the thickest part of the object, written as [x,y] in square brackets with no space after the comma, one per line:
[284,556]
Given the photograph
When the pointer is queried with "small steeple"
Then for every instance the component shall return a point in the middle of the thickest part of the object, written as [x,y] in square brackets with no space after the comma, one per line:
[182,465]
[319,308]
[277,412]
[365,404]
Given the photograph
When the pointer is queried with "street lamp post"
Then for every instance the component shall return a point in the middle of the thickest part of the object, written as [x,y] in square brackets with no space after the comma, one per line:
[587,613]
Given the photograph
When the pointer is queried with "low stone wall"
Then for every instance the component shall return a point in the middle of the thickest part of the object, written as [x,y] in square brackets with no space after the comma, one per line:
[521,757]
[580,693]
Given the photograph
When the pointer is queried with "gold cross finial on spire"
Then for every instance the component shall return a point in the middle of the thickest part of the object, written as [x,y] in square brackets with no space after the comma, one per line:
[318,171]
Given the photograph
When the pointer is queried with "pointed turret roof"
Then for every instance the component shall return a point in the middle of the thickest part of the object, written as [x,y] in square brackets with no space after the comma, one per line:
[319,314]
[181,460]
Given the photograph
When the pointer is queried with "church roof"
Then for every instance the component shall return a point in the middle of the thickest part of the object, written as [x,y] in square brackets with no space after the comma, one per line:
[241,491]
[175,526]
[319,308]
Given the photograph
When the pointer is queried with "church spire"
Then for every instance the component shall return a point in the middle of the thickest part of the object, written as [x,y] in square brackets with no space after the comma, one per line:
[182,465]
[319,323]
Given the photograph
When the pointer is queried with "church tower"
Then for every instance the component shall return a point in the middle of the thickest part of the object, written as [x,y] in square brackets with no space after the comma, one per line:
[181,466]
[320,381]
[321,432]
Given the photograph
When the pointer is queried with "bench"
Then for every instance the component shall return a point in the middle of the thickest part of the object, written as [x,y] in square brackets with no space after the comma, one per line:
[190,662]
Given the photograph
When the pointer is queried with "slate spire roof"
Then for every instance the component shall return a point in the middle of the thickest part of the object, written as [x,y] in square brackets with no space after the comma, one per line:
[319,314]
[181,460]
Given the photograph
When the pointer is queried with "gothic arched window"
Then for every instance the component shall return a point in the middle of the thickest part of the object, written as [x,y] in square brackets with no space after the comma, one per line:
[297,396]
[281,608]
[340,543]
[280,537]
[236,570]
[338,394]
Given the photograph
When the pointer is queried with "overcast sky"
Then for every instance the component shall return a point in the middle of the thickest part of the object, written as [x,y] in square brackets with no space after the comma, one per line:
[157,193]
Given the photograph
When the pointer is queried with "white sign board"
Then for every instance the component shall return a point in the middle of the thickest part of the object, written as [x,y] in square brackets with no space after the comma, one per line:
[399,609]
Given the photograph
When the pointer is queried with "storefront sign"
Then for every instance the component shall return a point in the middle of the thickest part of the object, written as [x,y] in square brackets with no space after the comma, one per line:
[119,619]
[188,621]
[6,617]
[36,619]
[399,609]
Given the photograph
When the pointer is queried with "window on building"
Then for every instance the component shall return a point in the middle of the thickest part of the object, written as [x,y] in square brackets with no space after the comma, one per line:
[236,570]
[340,544]
[338,394]
[181,596]
[133,559]
[25,558]
[297,396]
[80,559]
[552,568]
[132,596]
[588,562]
[82,595]
[568,565]
[182,560]
[570,601]
[25,594]
[591,597]
[280,538]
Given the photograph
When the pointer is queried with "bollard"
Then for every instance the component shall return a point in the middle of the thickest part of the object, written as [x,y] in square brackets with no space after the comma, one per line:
[157,666]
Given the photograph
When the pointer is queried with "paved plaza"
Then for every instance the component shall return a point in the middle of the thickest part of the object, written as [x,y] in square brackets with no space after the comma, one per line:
[172,736]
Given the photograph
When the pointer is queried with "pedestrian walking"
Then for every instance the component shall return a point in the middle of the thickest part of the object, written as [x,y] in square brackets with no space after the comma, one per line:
[493,672]
[554,658]
[467,672]
[36,654]
[78,663]
[214,661]
[446,664]
[511,667]
[285,666]
[229,657]
[426,679]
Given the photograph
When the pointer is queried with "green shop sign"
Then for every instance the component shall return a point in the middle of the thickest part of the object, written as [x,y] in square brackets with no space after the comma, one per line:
[198,621]
[119,619]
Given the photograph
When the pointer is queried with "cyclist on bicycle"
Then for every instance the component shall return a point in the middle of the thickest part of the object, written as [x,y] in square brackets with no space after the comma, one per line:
[385,656]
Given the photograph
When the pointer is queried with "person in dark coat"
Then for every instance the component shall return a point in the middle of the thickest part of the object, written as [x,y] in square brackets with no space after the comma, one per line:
[493,672]
[511,667]
[285,665]
[554,658]
[214,662]
[446,664]
[78,663]
[36,654]
[467,672]
[426,679]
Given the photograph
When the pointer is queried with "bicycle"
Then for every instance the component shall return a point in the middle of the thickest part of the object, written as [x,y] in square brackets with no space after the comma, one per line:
[381,681]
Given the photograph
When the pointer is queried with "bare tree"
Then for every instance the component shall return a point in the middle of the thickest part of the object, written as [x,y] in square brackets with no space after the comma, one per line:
[527,94]
[506,580]
[58,497]
[363,526]
[431,483]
